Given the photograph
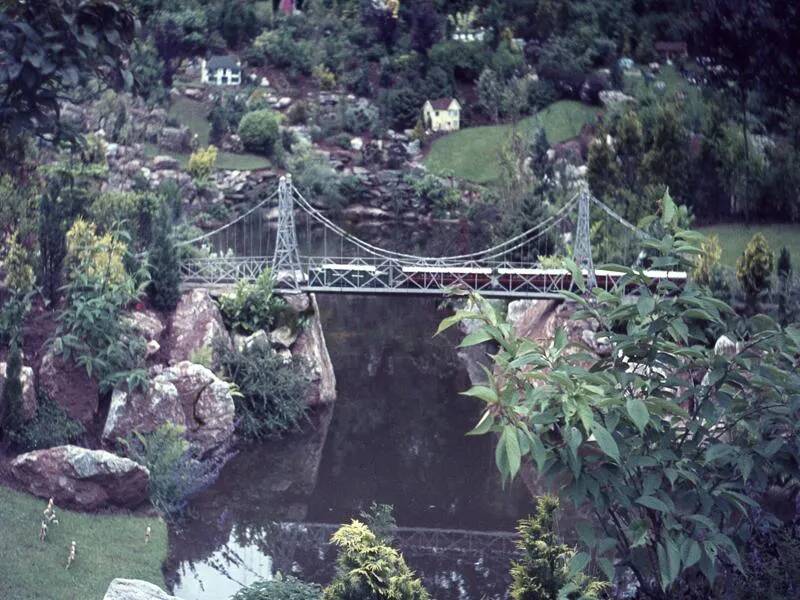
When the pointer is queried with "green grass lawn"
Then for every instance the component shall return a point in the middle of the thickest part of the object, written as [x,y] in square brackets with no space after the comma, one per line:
[193,114]
[107,547]
[734,238]
[473,153]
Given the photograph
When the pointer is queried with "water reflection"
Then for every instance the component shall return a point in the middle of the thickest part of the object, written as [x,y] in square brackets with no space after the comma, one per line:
[395,435]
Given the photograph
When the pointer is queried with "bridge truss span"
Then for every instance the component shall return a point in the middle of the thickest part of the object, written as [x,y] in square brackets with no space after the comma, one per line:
[243,249]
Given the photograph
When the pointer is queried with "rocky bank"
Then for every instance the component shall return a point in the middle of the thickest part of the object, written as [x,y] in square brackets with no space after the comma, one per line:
[184,387]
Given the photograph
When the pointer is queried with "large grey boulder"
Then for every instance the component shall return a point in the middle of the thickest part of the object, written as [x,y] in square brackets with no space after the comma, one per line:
[82,479]
[146,323]
[29,402]
[68,385]
[163,162]
[186,394]
[196,324]
[135,589]
[311,353]
[175,139]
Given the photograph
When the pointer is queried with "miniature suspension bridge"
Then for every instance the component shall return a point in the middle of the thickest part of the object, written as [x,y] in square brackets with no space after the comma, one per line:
[344,263]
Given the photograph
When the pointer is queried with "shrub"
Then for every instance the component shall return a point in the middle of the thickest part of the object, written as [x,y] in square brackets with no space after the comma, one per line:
[360,117]
[280,588]
[402,106]
[707,261]
[432,191]
[50,427]
[259,131]
[543,570]
[164,265]
[754,267]
[252,306]
[98,258]
[541,93]
[297,114]
[99,288]
[673,471]
[201,163]
[324,77]
[271,398]
[175,470]
[19,277]
[366,568]
[132,211]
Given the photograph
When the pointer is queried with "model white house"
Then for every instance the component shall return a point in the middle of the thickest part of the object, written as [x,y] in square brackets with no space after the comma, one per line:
[443,114]
[222,70]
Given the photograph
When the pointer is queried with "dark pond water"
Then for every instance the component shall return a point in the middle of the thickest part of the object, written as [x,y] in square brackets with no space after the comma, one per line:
[394,436]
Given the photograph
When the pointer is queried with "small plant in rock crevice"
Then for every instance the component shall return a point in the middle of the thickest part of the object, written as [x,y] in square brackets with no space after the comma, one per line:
[272,393]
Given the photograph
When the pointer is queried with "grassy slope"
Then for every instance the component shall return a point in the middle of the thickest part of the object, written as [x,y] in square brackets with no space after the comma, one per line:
[472,153]
[193,114]
[734,238]
[107,547]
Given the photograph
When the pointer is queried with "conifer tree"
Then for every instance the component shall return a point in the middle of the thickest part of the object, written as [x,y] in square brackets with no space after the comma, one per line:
[11,399]
[165,267]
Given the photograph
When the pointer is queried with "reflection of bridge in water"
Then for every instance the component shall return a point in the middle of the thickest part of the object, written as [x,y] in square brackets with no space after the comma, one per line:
[453,564]
[240,250]
[412,540]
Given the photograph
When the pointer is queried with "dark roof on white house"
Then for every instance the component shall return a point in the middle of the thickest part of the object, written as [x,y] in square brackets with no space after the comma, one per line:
[223,62]
[441,103]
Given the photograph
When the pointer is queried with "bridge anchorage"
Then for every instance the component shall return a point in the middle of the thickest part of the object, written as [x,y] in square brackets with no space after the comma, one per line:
[329,259]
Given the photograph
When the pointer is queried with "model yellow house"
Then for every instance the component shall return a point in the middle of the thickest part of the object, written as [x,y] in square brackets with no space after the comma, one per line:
[443,114]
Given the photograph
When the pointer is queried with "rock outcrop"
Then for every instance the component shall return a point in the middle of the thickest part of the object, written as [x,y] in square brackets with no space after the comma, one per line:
[196,325]
[311,353]
[29,402]
[539,319]
[186,394]
[82,479]
[135,589]
[68,385]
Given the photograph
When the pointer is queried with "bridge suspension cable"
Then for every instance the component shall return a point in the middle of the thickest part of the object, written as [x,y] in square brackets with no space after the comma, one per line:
[487,253]
[235,221]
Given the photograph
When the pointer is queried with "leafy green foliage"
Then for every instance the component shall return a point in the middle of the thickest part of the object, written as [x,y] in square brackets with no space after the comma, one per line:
[271,398]
[548,569]
[259,131]
[51,51]
[671,443]
[164,289]
[252,306]
[50,427]
[99,288]
[280,588]
[367,569]
[175,470]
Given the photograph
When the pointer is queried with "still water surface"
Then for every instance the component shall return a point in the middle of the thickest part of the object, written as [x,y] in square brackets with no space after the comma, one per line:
[395,435]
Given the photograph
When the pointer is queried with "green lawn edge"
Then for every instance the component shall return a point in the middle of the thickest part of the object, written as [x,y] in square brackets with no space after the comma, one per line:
[108,547]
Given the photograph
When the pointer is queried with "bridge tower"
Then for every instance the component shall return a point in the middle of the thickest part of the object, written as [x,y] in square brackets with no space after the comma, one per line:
[582,251]
[286,267]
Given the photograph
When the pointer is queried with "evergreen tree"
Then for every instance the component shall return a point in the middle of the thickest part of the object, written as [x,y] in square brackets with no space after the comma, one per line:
[542,572]
[753,269]
[11,399]
[165,266]
[784,264]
